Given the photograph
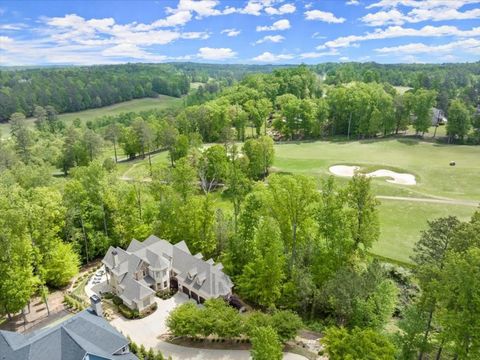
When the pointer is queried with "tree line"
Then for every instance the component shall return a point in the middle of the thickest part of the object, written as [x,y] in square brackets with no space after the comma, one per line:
[78,88]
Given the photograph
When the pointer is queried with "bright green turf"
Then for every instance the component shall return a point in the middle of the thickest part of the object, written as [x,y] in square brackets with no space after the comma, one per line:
[401,221]
[429,162]
[136,105]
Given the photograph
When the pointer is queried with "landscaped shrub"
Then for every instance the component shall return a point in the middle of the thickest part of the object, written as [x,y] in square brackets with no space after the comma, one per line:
[117,301]
[73,303]
[218,318]
[108,295]
[127,312]
[165,294]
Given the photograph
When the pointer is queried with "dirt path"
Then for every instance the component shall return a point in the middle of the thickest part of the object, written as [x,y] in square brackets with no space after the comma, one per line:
[433,201]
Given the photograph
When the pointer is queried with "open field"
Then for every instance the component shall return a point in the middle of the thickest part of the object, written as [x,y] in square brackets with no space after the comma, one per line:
[429,162]
[136,105]
[401,221]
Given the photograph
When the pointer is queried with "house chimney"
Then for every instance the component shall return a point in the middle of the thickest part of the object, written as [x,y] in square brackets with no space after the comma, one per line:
[96,304]
[115,258]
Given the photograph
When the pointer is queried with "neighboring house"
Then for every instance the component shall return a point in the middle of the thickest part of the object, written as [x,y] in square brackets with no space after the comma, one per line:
[153,265]
[85,336]
[438,117]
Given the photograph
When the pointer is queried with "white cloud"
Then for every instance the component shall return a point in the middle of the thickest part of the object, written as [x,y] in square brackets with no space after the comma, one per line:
[315,55]
[381,18]
[279,25]
[207,53]
[131,51]
[13,27]
[269,57]
[270,38]
[353,2]
[284,9]
[426,4]
[318,35]
[467,45]
[344,58]
[6,42]
[179,18]
[193,35]
[231,32]
[60,39]
[398,31]
[324,16]
[420,10]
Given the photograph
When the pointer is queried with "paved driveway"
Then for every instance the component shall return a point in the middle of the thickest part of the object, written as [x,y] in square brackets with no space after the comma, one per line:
[148,330]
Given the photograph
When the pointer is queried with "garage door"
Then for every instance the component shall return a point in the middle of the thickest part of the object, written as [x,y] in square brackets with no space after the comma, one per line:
[194,296]
[186,291]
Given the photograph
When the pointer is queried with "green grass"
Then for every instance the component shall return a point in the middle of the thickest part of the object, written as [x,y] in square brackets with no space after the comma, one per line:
[136,105]
[429,162]
[400,221]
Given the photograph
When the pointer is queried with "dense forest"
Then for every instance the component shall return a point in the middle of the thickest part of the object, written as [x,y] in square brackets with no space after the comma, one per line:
[299,256]
[73,89]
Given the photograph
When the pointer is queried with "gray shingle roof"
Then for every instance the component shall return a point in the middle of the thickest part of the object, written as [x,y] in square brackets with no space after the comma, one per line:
[133,290]
[82,334]
[208,277]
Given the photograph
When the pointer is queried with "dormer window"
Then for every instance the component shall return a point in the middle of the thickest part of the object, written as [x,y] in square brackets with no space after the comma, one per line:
[192,273]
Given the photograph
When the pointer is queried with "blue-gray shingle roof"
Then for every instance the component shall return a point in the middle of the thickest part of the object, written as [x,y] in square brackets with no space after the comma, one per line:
[85,333]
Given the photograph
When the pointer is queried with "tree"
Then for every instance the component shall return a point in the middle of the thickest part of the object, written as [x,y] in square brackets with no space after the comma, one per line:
[22,136]
[460,304]
[113,133]
[262,278]
[184,178]
[412,328]
[185,320]
[359,344]
[237,183]
[420,104]
[401,114]
[363,212]
[92,143]
[260,154]
[213,167]
[53,121]
[17,281]
[62,264]
[335,245]
[291,199]
[359,298]
[286,324]
[179,148]
[221,319]
[458,124]
[429,256]
[265,345]
[40,115]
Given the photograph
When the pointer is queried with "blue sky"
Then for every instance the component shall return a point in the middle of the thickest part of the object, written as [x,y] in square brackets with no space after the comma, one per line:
[238,31]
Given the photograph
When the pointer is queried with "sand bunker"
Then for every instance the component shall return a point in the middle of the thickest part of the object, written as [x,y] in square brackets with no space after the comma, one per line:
[393,177]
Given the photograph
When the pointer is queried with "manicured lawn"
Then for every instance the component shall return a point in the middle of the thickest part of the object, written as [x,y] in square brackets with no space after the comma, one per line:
[136,105]
[400,221]
[429,162]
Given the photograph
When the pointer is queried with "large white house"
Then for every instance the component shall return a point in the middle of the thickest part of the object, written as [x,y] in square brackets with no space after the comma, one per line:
[145,267]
